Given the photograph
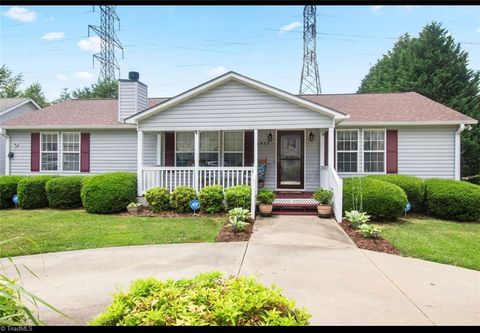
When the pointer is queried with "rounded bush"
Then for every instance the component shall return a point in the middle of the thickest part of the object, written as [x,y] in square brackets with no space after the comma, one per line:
[238,196]
[8,188]
[414,187]
[158,199]
[209,299]
[381,200]
[31,192]
[109,192]
[64,192]
[453,199]
[212,199]
[265,196]
[181,197]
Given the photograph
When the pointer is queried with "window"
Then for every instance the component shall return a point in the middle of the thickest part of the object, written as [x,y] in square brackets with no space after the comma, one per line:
[374,151]
[49,152]
[347,151]
[71,151]
[184,148]
[209,149]
[233,149]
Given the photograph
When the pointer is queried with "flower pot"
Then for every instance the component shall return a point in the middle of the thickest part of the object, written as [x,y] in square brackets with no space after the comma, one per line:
[265,210]
[324,210]
[135,210]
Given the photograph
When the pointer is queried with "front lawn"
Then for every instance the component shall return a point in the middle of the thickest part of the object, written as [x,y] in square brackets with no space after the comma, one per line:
[48,230]
[447,242]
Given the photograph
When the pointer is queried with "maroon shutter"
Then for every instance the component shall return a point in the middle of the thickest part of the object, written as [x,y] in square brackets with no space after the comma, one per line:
[35,152]
[325,148]
[248,148]
[169,148]
[85,152]
[392,151]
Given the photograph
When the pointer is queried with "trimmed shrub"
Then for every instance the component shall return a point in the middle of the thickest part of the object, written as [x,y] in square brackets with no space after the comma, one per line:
[212,199]
[64,192]
[158,199]
[8,188]
[181,197]
[109,192]
[381,200]
[265,196]
[414,187]
[31,192]
[209,299]
[238,196]
[453,199]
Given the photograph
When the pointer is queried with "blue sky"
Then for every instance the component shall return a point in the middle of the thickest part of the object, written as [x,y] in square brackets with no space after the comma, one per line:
[177,47]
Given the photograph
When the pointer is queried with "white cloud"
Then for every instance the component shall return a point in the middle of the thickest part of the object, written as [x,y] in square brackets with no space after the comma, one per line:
[408,6]
[50,36]
[90,44]
[289,27]
[61,77]
[85,76]
[376,9]
[218,70]
[21,14]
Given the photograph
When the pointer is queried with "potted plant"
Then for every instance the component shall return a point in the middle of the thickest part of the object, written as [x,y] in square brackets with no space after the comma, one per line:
[135,208]
[265,198]
[324,198]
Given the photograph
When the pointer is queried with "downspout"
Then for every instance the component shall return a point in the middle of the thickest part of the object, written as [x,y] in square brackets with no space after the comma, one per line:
[458,133]
[3,133]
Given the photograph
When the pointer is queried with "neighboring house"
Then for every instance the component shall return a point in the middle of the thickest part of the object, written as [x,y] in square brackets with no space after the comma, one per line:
[10,108]
[218,131]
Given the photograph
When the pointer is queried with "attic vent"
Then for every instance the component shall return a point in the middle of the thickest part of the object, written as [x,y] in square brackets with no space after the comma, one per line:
[133,76]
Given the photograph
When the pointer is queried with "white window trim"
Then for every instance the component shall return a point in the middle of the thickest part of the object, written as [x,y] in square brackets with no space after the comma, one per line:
[347,151]
[233,151]
[193,151]
[384,151]
[60,152]
[79,152]
[209,152]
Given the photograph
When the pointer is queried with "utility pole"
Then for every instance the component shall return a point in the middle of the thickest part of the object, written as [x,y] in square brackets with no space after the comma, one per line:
[108,42]
[310,81]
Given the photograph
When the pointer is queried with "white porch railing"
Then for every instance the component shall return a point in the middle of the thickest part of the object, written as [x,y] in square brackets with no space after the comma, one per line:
[171,177]
[329,179]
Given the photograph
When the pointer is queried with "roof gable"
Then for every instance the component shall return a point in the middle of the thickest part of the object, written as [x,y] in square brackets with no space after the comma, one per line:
[10,104]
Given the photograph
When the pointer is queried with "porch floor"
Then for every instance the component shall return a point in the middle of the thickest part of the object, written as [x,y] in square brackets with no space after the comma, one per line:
[294,203]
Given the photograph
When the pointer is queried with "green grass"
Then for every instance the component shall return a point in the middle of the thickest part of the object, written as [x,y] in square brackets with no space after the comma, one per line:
[447,242]
[48,230]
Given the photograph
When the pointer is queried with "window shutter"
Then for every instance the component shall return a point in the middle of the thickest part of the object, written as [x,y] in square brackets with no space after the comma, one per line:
[325,148]
[392,151]
[169,148]
[35,152]
[85,152]
[248,148]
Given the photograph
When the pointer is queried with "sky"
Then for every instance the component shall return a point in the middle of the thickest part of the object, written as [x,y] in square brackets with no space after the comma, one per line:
[175,48]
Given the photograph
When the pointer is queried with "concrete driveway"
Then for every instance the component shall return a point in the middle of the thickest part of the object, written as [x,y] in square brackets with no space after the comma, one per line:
[311,259]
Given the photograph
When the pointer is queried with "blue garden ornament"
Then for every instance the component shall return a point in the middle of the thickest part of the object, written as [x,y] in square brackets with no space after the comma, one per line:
[407,208]
[194,205]
[15,200]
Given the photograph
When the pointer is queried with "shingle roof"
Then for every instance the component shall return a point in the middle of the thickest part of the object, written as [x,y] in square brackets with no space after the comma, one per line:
[388,107]
[7,103]
[75,112]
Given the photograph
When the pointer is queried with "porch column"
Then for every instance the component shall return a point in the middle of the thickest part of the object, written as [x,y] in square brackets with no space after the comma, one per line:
[139,163]
[197,159]
[254,173]
[331,147]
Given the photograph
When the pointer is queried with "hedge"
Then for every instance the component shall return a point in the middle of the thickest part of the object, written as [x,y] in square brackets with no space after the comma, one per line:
[383,201]
[212,199]
[158,198]
[64,192]
[414,187]
[31,192]
[8,188]
[209,299]
[238,196]
[181,197]
[109,192]
[453,199]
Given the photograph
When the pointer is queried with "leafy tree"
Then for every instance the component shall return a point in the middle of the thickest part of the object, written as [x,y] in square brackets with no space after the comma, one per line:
[64,95]
[9,83]
[34,91]
[102,89]
[433,65]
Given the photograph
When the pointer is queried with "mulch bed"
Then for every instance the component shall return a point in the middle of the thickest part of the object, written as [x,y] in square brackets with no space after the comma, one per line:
[226,234]
[373,244]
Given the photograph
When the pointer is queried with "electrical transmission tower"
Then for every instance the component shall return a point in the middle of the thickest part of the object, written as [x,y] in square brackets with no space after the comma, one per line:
[310,81]
[108,42]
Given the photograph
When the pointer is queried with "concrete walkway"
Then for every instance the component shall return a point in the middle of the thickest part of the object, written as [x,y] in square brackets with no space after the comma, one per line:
[311,259]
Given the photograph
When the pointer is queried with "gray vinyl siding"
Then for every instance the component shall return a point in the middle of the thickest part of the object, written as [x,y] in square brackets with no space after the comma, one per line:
[235,105]
[2,155]
[267,151]
[132,98]
[110,150]
[150,149]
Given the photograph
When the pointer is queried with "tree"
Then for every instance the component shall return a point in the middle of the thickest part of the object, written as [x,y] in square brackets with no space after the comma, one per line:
[433,65]
[103,89]
[9,83]
[34,91]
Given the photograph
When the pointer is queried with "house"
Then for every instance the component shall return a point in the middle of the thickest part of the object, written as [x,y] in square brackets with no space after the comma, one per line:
[217,132]
[10,108]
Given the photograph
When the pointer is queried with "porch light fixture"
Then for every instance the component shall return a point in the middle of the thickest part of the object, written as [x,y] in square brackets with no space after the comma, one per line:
[311,136]
[270,137]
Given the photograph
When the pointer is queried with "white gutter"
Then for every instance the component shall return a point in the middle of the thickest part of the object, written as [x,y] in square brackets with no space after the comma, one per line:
[458,133]
[3,133]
